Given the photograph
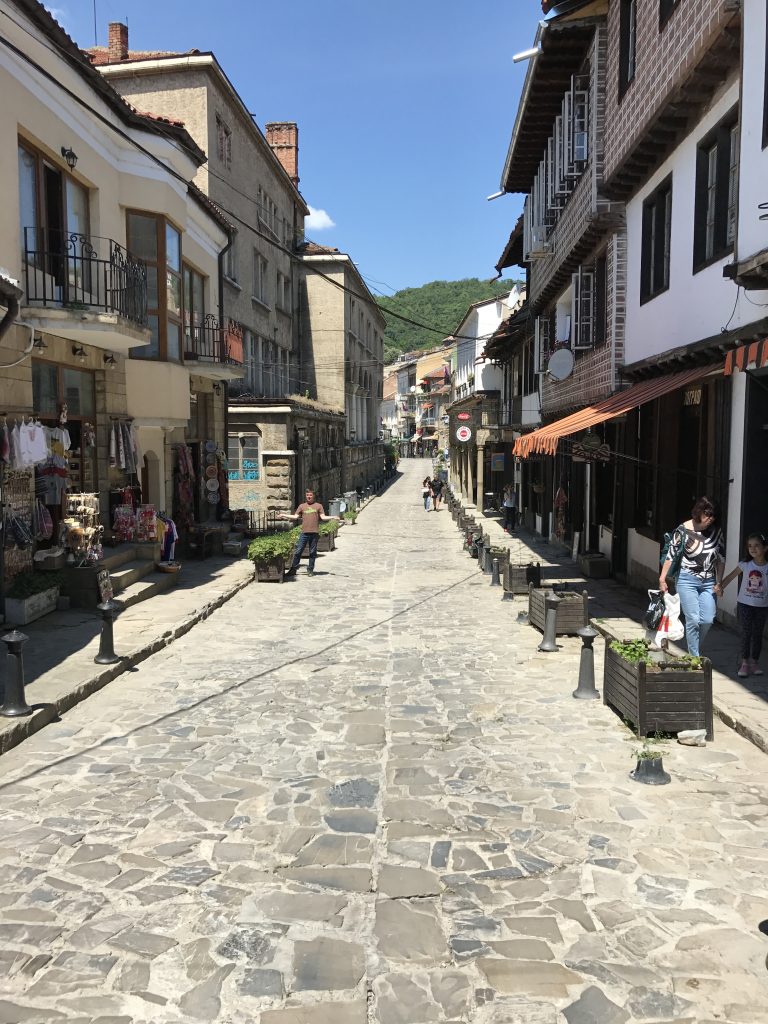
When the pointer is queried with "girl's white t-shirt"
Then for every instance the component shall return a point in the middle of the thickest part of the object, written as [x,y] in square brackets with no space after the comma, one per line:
[754,584]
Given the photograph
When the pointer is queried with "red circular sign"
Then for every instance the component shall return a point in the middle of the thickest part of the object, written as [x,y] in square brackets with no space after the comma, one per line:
[464,434]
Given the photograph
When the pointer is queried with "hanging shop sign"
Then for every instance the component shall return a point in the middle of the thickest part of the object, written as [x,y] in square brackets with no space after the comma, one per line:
[463,434]
[586,453]
[463,415]
[497,462]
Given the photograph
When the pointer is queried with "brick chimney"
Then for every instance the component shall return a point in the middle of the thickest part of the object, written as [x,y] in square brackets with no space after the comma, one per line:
[283,137]
[118,42]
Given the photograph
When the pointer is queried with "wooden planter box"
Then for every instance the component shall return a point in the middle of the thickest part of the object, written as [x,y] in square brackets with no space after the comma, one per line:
[659,700]
[20,611]
[270,572]
[518,578]
[572,612]
[492,552]
[325,542]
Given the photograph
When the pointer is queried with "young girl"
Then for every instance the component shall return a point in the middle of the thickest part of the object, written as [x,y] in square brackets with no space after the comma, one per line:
[752,607]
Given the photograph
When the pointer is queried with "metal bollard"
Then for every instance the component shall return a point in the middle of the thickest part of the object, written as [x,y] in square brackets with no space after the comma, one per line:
[15,703]
[548,644]
[586,689]
[495,581]
[106,655]
[480,545]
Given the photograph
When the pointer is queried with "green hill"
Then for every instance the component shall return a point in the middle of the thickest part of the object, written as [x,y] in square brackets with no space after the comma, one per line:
[439,304]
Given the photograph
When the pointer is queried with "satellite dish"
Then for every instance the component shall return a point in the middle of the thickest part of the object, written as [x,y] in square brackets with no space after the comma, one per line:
[560,365]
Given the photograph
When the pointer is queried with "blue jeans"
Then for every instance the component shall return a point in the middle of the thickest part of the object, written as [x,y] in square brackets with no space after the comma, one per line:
[426,501]
[698,605]
[301,543]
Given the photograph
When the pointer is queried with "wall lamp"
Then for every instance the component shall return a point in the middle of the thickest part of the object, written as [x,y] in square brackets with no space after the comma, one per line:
[110,361]
[70,156]
[527,54]
[79,353]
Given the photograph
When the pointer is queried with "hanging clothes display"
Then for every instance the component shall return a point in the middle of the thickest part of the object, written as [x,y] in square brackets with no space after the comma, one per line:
[51,476]
[184,512]
[168,535]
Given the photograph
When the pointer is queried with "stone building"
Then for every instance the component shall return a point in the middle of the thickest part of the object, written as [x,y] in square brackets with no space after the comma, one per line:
[342,338]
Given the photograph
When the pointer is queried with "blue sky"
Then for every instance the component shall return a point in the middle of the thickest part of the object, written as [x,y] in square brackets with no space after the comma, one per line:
[405,109]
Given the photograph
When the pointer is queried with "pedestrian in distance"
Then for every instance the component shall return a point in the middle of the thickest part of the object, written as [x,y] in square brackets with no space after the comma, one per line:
[752,602]
[699,546]
[311,513]
[437,492]
[426,492]
[510,509]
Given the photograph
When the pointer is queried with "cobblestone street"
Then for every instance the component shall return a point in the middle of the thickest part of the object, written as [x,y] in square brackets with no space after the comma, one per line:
[366,797]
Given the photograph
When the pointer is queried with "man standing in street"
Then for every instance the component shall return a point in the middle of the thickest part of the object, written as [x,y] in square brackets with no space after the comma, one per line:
[437,492]
[311,513]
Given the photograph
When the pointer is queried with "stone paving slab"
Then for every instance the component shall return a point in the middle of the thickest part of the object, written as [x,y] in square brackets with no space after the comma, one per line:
[199,847]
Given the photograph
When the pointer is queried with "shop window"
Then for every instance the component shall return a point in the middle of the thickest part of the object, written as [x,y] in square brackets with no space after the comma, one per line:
[157,242]
[54,386]
[627,44]
[717,176]
[243,456]
[655,243]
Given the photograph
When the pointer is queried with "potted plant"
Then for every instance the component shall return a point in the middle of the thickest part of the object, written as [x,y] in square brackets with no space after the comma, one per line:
[350,516]
[270,553]
[649,769]
[656,691]
[518,578]
[32,595]
[572,611]
[327,535]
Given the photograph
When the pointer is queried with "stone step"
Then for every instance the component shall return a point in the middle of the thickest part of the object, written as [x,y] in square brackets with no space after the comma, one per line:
[147,587]
[129,573]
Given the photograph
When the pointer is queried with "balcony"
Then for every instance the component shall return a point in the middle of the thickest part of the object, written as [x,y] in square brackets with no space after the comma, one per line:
[84,288]
[211,350]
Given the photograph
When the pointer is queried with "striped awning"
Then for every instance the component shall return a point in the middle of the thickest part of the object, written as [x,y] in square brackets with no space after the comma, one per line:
[545,439]
[740,358]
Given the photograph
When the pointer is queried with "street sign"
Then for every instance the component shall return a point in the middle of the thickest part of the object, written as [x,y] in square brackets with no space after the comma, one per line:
[463,433]
[463,415]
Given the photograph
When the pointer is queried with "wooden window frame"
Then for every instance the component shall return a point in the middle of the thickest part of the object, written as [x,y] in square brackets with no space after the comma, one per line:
[656,242]
[627,44]
[715,201]
[666,10]
[223,142]
[161,311]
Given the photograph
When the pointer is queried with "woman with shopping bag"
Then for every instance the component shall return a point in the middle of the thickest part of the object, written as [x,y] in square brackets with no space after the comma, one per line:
[698,547]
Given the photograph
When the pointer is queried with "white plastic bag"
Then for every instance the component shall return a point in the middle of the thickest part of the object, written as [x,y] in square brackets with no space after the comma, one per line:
[670,627]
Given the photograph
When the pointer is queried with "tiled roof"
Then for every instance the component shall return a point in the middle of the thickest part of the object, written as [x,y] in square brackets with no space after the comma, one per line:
[100,55]
[313,249]
[160,119]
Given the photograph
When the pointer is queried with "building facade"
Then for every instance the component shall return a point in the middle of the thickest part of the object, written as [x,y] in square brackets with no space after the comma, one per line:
[101,225]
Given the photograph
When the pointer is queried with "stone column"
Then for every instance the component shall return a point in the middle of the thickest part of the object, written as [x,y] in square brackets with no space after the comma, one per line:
[480,476]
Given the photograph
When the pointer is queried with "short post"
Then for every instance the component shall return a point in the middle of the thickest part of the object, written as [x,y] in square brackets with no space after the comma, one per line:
[586,689]
[106,655]
[15,703]
[548,645]
[495,581]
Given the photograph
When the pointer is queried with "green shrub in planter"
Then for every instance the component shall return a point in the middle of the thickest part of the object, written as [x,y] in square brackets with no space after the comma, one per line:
[351,516]
[262,550]
[332,526]
[31,583]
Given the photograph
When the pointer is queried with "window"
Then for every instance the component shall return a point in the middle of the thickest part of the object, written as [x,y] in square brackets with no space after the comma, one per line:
[223,142]
[194,312]
[666,7]
[153,239]
[243,456]
[541,342]
[283,294]
[583,309]
[230,262]
[627,43]
[655,244]
[717,178]
[260,278]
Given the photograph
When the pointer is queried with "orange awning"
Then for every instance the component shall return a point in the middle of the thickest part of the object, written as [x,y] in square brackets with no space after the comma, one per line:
[740,358]
[545,438]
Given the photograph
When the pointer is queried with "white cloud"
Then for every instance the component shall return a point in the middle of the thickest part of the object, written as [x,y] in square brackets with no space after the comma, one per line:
[318,220]
[59,13]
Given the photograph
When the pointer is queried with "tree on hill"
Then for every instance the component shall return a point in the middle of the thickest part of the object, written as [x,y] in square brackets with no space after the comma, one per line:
[439,305]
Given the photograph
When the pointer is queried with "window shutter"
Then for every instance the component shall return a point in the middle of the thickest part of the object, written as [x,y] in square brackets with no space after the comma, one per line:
[541,343]
[583,335]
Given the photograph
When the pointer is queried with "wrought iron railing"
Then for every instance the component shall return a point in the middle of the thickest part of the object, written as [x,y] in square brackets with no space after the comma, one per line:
[257,523]
[70,270]
[210,342]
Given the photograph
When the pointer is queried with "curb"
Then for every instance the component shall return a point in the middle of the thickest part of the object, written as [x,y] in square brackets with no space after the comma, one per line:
[21,728]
